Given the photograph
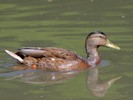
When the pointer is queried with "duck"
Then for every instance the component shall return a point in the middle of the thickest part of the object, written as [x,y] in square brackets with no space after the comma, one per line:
[59,59]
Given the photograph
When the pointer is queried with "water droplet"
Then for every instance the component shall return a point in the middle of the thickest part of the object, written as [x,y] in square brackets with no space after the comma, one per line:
[123,16]
[50,0]
[92,0]
[85,14]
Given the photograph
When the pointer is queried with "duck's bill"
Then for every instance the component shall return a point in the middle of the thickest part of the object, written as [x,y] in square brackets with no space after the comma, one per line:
[111,45]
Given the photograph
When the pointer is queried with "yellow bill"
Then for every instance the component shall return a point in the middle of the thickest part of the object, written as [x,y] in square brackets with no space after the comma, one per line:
[111,45]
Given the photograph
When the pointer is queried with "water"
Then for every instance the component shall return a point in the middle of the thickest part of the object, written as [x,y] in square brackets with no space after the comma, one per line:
[65,24]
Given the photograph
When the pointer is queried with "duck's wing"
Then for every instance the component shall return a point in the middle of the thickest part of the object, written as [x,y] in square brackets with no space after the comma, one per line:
[47,52]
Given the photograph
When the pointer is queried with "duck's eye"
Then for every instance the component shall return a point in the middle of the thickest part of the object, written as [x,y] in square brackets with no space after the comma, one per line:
[100,36]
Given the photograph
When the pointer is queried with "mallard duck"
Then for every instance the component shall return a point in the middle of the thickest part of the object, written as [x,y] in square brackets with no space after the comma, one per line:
[58,59]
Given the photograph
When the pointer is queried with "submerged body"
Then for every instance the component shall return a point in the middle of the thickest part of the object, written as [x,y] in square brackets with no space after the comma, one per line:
[58,59]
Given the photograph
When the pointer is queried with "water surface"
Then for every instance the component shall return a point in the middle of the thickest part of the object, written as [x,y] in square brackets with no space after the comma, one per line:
[65,24]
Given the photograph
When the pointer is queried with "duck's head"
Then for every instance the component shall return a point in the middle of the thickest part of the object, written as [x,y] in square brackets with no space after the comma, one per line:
[98,38]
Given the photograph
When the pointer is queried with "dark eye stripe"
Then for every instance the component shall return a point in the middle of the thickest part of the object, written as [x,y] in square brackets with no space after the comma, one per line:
[100,37]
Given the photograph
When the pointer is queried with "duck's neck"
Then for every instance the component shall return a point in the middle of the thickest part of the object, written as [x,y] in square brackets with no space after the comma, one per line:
[92,55]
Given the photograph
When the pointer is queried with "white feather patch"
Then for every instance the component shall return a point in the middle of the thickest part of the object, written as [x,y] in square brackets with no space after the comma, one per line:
[14,55]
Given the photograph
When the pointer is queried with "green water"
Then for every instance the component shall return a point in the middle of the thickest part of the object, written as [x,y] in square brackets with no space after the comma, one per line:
[65,24]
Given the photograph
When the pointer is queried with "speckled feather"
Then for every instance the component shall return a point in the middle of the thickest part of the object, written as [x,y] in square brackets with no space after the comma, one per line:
[52,58]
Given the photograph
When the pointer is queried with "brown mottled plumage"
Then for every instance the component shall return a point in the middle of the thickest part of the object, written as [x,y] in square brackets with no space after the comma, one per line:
[58,59]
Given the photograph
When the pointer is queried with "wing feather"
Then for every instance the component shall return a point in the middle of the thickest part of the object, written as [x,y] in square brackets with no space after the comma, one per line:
[48,52]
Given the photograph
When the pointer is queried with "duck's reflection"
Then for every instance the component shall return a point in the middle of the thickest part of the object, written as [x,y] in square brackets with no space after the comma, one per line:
[96,88]
[41,76]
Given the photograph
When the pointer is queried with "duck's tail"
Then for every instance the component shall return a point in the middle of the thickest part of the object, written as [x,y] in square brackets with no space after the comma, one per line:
[15,56]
